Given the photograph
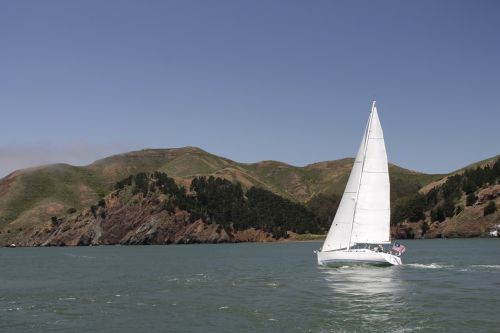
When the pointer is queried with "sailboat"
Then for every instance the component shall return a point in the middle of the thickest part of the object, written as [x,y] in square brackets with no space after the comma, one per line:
[362,223]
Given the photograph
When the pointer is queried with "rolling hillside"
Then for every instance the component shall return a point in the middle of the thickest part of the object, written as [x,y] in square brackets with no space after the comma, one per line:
[487,162]
[462,204]
[32,196]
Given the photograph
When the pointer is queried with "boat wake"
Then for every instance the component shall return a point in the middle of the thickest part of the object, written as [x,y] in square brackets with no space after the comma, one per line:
[486,266]
[428,266]
[458,268]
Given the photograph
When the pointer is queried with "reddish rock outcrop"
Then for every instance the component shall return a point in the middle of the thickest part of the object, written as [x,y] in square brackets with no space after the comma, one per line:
[135,221]
[488,194]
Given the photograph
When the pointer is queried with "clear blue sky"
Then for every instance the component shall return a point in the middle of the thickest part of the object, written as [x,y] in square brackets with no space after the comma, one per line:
[249,80]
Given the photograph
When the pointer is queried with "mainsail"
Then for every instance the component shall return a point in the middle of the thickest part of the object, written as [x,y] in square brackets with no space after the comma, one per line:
[363,215]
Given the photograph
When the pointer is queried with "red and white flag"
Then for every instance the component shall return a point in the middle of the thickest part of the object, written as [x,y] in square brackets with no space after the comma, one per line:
[399,248]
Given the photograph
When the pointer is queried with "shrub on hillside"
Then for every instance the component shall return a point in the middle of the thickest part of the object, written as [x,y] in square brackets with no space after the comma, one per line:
[71,210]
[54,221]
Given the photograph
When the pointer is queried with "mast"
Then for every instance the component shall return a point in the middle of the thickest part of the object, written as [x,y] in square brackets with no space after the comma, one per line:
[367,134]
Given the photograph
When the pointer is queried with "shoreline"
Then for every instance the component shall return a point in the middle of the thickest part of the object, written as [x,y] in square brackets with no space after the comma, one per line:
[283,241]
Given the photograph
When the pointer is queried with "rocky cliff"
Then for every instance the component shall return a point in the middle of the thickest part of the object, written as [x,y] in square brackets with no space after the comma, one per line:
[134,220]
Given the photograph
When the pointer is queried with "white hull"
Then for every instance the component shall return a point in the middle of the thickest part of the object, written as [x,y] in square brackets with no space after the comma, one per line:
[357,257]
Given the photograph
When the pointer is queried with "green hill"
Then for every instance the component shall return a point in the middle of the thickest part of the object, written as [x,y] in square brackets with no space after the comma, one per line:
[31,196]
[487,162]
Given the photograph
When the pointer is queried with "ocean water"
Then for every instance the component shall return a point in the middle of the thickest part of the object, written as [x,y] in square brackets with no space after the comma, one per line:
[443,286]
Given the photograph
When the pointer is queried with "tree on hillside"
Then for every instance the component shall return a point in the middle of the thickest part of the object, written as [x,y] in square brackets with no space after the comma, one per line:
[424,227]
[275,214]
[496,169]
[468,186]
[490,208]
[141,183]
[324,206]
[437,214]
[449,208]
[451,189]
[411,209]
[124,182]
[471,199]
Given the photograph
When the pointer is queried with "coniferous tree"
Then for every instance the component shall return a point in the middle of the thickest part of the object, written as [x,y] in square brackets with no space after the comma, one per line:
[325,207]
[490,208]
[470,199]
[448,208]
[438,214]
[424,227]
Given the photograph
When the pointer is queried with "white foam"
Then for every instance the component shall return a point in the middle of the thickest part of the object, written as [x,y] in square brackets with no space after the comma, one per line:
[427,266]
[468,268]
[77,256]
[407,329]
[486,266]
[15,309]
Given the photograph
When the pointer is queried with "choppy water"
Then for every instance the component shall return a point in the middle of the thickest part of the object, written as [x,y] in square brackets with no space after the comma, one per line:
[445,285]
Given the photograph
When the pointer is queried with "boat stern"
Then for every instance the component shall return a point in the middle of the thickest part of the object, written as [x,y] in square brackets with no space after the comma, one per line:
[392,259]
